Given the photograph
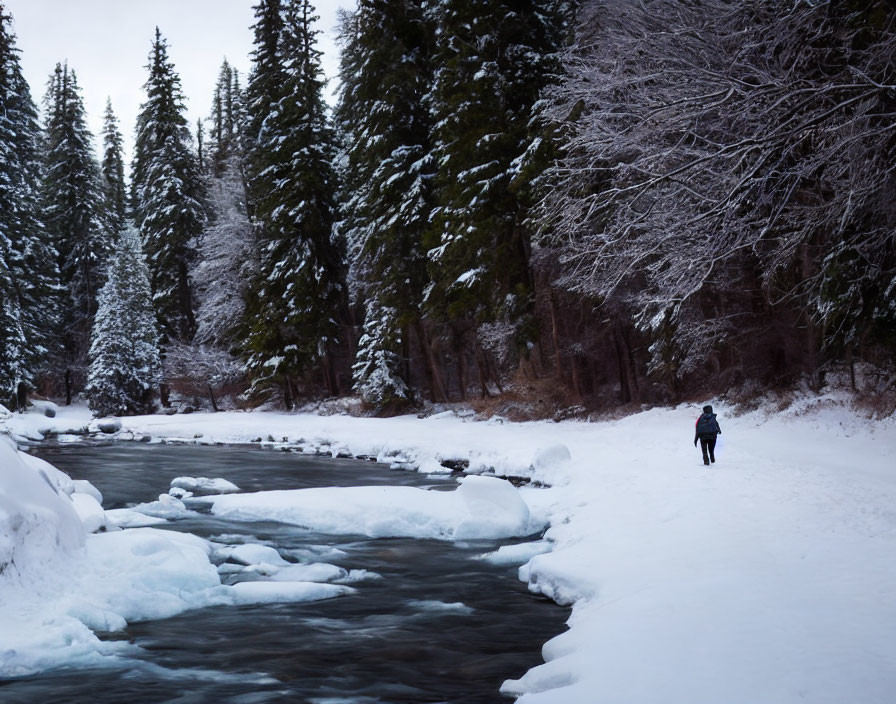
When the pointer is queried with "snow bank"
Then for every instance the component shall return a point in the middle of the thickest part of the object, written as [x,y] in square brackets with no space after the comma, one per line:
[38,522]
[482,507]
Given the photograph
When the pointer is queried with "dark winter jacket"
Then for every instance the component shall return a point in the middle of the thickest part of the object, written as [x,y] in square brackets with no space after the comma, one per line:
[707,426]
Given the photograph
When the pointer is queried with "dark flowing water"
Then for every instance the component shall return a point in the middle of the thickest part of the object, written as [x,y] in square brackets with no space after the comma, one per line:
[387,644]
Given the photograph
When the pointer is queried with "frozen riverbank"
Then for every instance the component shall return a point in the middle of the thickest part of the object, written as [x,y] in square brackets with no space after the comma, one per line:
[768,577]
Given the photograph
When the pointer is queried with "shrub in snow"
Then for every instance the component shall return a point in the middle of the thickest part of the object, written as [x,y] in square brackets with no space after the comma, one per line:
[124,348]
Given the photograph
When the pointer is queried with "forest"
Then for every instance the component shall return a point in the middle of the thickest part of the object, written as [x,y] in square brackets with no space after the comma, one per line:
[564,204]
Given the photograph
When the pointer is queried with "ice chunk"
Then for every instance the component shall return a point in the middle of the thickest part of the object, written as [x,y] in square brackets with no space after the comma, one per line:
[129,518]
[166,507]
[315,572]
[517,554]
[251,554]
[92,516]
[205,485]
[456,607]
[276,592]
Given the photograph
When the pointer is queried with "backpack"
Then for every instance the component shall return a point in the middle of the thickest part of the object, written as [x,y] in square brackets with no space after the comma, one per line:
[706,425]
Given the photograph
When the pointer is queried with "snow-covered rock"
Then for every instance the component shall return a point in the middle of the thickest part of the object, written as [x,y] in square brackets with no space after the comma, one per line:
[45,408]
[82,486]
[551,457]
[204,485]
[109,425]
[250,554]
[92,516]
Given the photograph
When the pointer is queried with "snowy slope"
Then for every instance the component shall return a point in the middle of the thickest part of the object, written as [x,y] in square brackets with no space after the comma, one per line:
[769,577]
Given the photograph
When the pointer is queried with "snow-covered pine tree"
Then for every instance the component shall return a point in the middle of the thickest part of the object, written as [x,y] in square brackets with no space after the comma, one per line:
[73,210]
[115,199]
[493,58]
[167,194]
[124,349]
[14,370]
[226,260]
[386,199]
[298,298]
[29,277]
[225,120]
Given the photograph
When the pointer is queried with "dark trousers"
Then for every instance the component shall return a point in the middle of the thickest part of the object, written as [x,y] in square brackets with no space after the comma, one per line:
[708,444]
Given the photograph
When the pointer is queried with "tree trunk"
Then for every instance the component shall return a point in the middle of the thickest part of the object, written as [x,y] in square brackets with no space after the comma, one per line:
[852,368]
[555,337]
[811,335]
[211,396]
[625,393]
[434,377]
[461,371]
[482,368]
[68,387]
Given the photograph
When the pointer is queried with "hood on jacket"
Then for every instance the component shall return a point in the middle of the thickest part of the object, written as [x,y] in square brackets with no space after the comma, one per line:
[707,410]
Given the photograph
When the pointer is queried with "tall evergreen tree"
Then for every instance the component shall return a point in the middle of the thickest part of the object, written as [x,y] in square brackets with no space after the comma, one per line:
[494,57]
[167,193]
[114,189]
[298,298]
[225,120]
[28,271]
[385,125]
[73,213]
[124,349]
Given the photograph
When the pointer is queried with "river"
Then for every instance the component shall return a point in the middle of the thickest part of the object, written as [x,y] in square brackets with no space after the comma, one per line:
[440,626]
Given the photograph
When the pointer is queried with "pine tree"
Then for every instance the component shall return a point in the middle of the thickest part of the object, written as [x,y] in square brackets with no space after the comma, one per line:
[124,349]
[167,194]
[298,298]
[29,275]
[114,190]
[73,208]
[384,123]
[14,369]
[378,371]
[493,57]
[224,137]
[266,88]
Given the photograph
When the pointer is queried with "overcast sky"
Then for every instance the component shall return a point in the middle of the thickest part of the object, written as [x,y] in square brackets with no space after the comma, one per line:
[107,42]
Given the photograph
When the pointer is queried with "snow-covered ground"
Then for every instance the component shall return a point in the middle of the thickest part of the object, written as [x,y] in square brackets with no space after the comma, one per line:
[769,577]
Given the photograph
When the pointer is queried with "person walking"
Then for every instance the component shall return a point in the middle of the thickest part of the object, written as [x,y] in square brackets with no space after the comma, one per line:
[706,430]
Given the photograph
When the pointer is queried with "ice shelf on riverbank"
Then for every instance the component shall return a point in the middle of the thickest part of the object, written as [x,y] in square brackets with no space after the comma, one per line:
[481,508]
[768,577]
